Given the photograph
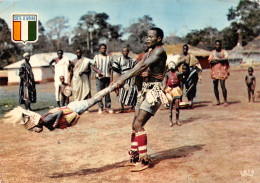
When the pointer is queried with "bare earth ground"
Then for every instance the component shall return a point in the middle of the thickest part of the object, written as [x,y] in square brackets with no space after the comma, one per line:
[214,144]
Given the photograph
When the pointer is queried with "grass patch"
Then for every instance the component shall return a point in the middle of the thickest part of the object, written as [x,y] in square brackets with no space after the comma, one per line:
[6,104]
[39,107]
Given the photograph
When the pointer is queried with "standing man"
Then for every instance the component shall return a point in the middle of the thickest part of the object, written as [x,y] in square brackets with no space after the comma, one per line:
[190,59]
[152,67]
[219,70]
[140,56]
[60,69]
[194,73]
[128,93]
[79,77]
[103,68]
[27,90]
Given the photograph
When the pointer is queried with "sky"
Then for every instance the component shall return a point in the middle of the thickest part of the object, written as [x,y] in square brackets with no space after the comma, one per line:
[175,17]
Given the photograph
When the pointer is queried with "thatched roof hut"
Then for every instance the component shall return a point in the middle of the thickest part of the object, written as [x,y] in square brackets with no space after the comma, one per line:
[200,54]
[235,55]
[177,49]
[253,46]
[251,52]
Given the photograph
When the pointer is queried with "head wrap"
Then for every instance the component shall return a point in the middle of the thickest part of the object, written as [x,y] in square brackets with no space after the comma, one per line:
[173,58]
[171,65]
[26,54]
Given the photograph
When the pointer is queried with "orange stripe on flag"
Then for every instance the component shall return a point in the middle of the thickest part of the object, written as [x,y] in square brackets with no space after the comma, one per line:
[17,31]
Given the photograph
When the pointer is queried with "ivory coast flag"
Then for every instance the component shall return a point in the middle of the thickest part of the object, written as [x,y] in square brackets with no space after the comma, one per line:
[25,28]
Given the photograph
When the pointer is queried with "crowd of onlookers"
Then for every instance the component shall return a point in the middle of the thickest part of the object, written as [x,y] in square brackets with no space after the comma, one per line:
[73,78]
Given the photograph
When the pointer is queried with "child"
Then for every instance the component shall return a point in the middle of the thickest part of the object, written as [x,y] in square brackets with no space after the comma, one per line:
[173,85]
[251,84]
[190,79]
[62,97]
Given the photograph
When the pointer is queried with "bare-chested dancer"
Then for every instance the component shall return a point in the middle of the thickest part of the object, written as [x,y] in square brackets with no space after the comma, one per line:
[152,68]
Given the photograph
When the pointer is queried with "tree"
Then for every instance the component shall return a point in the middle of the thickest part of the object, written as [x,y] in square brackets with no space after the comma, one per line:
[92,30]
[57,28]
[42,45]
[9,51]
[246,17]
[138,31]
[203,38]
[5,34]
[230,36]
[193,38]
[173,39]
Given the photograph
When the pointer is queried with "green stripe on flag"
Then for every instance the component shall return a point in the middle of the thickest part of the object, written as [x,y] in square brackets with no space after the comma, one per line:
[31,30]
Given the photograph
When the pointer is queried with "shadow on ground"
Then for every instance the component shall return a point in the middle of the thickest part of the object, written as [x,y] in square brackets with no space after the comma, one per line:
[202,102]
[156,158]
[234,102]
[190,120]
[175,153]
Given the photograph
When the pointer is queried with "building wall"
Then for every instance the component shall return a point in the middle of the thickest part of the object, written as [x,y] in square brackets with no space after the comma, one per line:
[251,56]
[13,76]
[47,74]
[41,74]
[37,71]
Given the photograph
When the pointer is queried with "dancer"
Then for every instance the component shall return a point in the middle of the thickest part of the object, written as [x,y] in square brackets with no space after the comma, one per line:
[152,67]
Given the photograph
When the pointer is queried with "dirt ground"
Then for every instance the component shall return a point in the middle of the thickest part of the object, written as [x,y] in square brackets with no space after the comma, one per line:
[214,144]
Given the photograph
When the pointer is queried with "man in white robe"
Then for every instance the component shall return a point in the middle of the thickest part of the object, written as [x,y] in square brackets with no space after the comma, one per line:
[80,77]
[60,69]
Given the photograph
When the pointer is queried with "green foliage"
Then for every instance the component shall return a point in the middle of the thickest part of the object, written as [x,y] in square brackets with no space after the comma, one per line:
[246,17]
[92,30]
[57,26]
[203,38]
[57,29]
[6,104]
[9,51]
[137,33]
[229,36]
[43,44]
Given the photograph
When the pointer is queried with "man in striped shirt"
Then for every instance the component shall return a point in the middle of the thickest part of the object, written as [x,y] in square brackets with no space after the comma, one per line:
[103,68]
[128,93]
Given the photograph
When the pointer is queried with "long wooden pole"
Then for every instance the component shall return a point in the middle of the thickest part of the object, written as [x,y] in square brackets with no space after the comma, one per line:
[81,106]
